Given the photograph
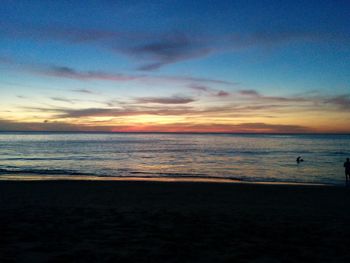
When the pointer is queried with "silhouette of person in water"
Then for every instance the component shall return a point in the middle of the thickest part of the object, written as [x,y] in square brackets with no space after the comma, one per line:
[299,159]
[347,171]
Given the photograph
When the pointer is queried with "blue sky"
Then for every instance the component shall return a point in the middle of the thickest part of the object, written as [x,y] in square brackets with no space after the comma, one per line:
[171,65]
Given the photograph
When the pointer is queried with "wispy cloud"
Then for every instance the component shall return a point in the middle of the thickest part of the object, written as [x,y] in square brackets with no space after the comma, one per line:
[114,112]
[62,99]
[272,128]
[217,117]
[8,125]
[243,103]
[209,91]
[84,91]
[22,97]
[219,128]
[253,94]
[153,51]
[191,79]
[166,100]
[249,92]
[231,110]
[66,72]
[200,88]
[222,93]
[342,101]
[168,50]
[60,71]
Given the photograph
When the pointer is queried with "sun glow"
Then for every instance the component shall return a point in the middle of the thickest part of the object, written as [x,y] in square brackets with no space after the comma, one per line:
[115,73]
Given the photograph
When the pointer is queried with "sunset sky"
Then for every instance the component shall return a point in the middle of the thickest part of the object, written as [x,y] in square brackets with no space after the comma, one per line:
[175,66]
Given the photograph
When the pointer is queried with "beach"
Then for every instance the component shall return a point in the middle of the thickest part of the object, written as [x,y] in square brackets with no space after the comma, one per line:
[174,131]
[158,221]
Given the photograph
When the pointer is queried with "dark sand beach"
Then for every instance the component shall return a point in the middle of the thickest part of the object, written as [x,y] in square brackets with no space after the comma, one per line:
[100,221]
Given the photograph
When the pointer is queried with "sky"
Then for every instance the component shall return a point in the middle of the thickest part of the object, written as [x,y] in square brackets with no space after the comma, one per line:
[175,66]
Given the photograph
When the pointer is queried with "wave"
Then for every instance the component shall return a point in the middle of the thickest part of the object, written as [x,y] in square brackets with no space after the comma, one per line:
[188,175]
[40,171]
[136,174]
[147,175]
[66,158]
[155,175]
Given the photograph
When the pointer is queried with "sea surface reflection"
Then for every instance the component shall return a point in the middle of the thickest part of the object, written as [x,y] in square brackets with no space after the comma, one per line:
[254,157]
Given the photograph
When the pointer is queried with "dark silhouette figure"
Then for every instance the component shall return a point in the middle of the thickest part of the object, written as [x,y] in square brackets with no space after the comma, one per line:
[299,159]
[347,171]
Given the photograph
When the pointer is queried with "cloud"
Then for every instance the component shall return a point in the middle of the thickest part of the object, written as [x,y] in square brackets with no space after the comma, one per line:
[197,80]
[273,128]
[222,93]
[175,47]
[61,99]
[245,104]
[165,100]
[116,112]
[60,71]
[231,111]
[210,91]
[168,50]
[200,88]
[249,92]
[22,97]
[8,125]
[342,101]
[85,91]
[218,128]
[253,94]
[67,72]
[89,112]
[155,50]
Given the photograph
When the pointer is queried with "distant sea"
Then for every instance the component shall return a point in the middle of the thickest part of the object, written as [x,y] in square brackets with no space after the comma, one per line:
[245,157]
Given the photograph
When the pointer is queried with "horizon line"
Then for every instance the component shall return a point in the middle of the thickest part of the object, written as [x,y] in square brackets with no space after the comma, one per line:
[186,132]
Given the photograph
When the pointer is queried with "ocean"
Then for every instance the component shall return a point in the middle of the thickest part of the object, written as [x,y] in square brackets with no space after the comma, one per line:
[243,157]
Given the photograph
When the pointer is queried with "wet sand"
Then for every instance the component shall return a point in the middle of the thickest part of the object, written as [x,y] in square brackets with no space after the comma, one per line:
[129,221]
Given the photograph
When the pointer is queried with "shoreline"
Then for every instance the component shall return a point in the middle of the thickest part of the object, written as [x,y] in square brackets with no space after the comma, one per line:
[179,179]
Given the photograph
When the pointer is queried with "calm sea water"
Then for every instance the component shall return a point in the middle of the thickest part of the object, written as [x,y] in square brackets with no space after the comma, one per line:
[268,158]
